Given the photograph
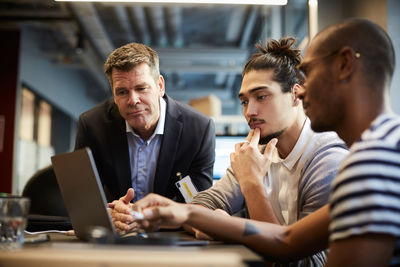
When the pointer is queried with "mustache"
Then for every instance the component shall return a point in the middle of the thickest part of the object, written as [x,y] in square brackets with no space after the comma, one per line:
[251,120]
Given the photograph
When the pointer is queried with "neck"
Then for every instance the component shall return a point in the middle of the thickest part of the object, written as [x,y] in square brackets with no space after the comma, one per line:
[147,131]
[145,135]
[360,113]
[288,139]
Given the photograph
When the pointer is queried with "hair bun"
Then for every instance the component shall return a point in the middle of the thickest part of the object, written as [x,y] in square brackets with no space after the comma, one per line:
[282,48]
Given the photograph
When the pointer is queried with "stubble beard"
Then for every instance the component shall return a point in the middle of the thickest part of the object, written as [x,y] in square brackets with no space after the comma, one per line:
[264,140]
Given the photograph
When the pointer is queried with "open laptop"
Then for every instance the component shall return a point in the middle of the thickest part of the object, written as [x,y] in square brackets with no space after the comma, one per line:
[85,200]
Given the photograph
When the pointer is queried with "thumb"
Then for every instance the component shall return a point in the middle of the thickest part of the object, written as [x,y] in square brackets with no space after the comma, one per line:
[270,148]
[129,196]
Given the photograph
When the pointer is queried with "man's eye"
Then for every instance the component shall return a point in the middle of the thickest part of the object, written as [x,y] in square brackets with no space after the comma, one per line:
[244,102]
[261,97]
[122,92]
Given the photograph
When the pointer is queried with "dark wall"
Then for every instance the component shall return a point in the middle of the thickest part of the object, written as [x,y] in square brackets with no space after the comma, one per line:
[8,91]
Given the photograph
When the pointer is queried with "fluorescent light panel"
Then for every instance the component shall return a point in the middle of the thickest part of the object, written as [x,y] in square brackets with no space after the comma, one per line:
[225,2]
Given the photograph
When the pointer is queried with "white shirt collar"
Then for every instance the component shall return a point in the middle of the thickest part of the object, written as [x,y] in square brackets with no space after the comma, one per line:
[298,149]
[160,124]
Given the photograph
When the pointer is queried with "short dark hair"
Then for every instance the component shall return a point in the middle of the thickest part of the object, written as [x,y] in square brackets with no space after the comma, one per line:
[282,57]
[129,56]
[368,39]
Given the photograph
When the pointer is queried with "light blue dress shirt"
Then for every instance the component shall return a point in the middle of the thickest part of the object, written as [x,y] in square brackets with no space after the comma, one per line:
[143,155]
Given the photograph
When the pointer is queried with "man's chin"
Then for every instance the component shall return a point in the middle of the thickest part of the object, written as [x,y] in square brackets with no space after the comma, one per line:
[319,127]
[137,123]
[265,139]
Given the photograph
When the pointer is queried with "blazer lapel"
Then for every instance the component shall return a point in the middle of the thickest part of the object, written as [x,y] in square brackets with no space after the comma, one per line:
[169,146]
[119,150]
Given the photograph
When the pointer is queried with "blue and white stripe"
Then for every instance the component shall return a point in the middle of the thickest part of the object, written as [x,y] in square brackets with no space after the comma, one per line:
[366,192]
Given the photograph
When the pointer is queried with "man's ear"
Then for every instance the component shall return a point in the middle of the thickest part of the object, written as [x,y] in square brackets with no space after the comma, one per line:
[346,61]
[295,94]
[161,85]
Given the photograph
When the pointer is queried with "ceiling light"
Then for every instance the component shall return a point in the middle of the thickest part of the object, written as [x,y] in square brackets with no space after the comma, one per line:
[225,2]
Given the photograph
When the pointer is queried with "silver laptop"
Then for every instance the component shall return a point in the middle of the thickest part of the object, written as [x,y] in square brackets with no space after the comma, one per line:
[83,194]
[85,200]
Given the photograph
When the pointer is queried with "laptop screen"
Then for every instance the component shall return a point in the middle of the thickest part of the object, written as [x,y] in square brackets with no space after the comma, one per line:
[224,146]
[82,191]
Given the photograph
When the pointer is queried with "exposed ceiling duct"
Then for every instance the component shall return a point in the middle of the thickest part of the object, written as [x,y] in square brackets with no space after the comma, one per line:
[202,49]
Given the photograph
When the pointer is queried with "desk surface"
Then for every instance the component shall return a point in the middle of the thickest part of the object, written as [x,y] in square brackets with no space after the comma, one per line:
[64,250]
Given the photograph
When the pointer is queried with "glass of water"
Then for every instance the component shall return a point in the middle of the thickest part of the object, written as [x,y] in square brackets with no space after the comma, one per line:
[13,216]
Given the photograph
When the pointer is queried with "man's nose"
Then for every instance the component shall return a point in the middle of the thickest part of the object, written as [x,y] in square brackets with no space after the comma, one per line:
[251,109]
[133,98]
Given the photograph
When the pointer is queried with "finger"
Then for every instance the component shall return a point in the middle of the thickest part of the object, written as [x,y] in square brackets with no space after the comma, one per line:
[121,226]
[250,135]
[129,196]
[112,204]
[232,157]
[201,236]
[124,218]
[238,146]
[162,215]
[151,200]
[151,213]
[255,137]
[121,207]
[269,149]
[150,225]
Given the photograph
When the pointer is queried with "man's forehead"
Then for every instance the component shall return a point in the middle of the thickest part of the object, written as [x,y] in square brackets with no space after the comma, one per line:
[253,89]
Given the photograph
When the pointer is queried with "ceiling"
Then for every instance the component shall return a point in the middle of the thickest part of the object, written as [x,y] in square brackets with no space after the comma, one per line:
[202,48]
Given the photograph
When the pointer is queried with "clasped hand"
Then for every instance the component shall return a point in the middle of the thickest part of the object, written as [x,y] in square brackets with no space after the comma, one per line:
[158,212]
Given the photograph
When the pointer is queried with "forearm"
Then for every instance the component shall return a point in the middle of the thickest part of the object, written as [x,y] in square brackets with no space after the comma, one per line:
[275,242]
[257,202]
[260,237]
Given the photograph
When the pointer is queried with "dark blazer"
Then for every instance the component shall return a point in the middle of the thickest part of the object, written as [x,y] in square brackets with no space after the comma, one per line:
[187,146]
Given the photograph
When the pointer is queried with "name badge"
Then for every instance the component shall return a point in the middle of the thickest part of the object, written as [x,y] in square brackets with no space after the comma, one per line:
[187,189]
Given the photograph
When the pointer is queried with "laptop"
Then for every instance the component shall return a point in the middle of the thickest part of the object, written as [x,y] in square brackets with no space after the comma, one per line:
[85,201]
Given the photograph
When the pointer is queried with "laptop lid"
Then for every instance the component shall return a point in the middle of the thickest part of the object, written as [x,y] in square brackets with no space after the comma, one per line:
[82,191]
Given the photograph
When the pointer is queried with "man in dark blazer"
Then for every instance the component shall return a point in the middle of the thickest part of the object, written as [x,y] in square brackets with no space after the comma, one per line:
[140,118]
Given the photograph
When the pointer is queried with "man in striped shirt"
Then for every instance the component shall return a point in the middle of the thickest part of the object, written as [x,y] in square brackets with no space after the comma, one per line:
[348,69]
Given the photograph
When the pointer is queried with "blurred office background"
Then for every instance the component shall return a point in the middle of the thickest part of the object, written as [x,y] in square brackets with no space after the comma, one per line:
[54,54]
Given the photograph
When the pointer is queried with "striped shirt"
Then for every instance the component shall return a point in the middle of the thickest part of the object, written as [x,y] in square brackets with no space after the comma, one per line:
[366,192]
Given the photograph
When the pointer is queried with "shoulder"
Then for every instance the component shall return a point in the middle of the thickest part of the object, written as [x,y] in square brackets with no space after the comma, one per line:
[376,153]
[327,140]
[367,187]
[325,149]
[384,131]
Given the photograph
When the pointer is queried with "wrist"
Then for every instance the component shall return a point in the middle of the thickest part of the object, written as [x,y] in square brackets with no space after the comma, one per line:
[252,186]
[190,211]
[251,182]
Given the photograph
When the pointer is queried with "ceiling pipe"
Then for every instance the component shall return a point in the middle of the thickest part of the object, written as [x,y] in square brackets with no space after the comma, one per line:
[139,19]
[88,56]
[174,25]
[90,22]
[123,19]
[156,15]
